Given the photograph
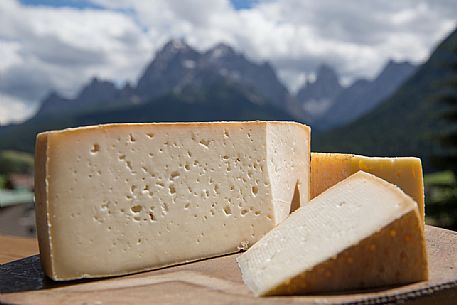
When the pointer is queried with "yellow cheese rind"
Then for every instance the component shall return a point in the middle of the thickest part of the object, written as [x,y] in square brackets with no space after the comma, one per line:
[122,198]
[362,232]
[327,169]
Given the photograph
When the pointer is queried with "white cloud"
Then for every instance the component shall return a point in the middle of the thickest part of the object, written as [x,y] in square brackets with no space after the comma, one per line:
[13,109]
[356,36]
[61,48]
[9,54]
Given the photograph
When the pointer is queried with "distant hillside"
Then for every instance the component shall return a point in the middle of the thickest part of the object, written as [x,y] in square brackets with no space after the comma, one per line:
[403,125]
[15,162]
[213,102]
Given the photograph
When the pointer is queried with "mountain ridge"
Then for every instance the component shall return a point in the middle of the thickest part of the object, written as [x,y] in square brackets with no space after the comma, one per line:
[406,123]
[352,104]
[195,103]
[220,68]
[173,67]
[177,65]
[332,105]
[316,96]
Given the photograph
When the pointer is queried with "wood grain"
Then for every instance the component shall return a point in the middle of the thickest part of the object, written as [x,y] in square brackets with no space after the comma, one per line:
[12,248]
[218,281]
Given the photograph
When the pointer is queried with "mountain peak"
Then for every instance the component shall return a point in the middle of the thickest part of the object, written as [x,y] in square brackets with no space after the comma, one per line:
[221,49]
[94,80]
[363,96]
[51,103]
[172,49]
[320,93]
[177,43]
[96,90]
[392,66]
[128,86]
[174,45]
[96,83]
[171,64]
[53,95]
[325,73]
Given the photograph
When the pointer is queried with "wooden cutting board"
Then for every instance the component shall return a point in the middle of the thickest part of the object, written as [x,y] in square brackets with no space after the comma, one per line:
[218,281]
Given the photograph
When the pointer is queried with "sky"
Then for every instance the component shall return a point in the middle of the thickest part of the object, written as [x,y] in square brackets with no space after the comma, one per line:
[59,45]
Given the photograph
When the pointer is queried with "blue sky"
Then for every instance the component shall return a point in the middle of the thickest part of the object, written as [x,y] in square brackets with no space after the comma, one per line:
[59,45]
[78,4]
[83,4]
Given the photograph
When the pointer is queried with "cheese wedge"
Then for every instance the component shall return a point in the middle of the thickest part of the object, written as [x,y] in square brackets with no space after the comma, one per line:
[121,198]
[327,169]
[362,232]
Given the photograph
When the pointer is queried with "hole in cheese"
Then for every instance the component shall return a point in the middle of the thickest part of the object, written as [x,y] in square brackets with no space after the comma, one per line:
[136,208]
[95,148]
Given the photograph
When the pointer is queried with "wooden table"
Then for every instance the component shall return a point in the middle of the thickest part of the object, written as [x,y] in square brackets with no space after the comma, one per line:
[212,281]
[13,248]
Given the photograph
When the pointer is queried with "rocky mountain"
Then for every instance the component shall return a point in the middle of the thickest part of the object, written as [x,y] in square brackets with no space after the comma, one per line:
[318,96]
[174,67]
[95,95]
[261,77]
[54,103]
[182,84]
[331,105]
[323,103]
[179,84]
[97,90]
[177,65]
[406,123]
[364,95]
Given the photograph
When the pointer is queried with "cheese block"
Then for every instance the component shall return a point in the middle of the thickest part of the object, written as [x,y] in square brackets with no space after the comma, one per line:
[121,198]
[362,232]
[329,168]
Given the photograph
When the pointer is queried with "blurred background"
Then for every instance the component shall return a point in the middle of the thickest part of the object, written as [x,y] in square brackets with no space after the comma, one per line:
[377,78]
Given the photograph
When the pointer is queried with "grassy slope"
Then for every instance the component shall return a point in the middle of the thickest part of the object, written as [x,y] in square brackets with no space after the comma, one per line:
[15,162]
[444,177]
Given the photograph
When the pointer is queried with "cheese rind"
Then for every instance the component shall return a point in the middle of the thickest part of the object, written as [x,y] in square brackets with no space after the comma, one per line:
[122,198]
[362,232]
[327,169]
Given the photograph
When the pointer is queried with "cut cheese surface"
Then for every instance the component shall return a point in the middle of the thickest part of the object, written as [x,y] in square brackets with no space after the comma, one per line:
[362,232]
[327,169]
[121,198]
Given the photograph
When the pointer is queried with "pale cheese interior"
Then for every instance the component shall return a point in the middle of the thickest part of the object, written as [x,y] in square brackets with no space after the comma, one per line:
[125,198]
[338,219]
